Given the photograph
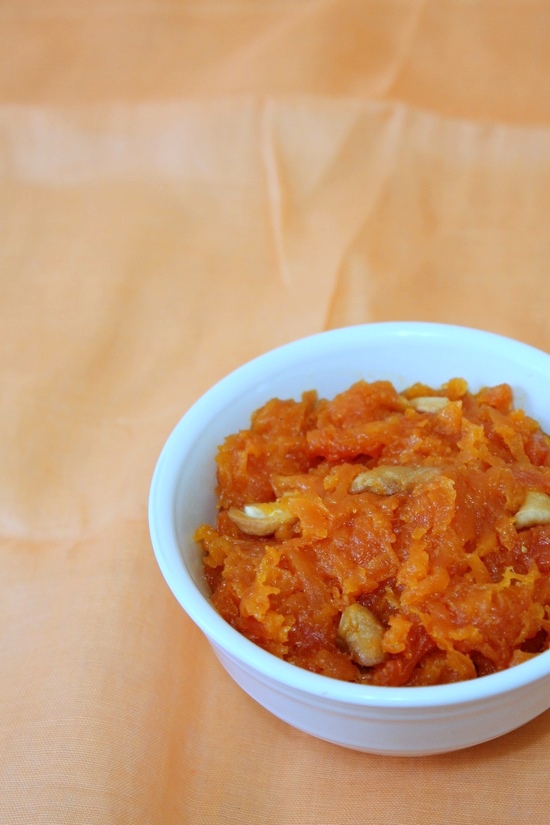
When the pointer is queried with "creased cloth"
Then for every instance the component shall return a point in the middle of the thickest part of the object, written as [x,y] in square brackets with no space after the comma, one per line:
[183,186]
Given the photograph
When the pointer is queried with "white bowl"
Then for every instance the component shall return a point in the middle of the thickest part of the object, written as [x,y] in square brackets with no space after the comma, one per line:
[400,721]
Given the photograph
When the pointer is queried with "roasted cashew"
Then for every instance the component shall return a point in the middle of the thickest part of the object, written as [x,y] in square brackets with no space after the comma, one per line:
[534,510]
[261,519]
[362,634]
[385,480]
[429,403]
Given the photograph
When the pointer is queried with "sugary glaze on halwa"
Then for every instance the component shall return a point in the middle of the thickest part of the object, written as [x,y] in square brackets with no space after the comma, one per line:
[383,537]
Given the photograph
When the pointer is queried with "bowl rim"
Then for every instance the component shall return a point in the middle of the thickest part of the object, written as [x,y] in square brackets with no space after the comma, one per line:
[265,665]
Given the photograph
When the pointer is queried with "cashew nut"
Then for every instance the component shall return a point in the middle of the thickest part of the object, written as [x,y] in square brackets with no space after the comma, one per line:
[386,480]
[261,519]
[362,633]
[534,510]
[429,403]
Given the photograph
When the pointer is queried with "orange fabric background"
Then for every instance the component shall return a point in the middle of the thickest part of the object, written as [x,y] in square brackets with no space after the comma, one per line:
[185,185]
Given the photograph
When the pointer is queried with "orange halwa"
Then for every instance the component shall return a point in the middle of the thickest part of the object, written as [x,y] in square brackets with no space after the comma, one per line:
[386,538]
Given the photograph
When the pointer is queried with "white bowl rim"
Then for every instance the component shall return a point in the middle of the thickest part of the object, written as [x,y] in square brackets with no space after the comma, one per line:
[265,665]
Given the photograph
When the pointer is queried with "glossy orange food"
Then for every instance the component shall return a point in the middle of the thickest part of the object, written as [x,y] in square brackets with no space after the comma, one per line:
[385,537]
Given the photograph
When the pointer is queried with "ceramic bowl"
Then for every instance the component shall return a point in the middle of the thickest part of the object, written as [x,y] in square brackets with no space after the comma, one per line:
[401,721]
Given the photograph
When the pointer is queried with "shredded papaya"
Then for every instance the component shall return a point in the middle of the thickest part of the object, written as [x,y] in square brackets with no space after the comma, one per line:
[427,510]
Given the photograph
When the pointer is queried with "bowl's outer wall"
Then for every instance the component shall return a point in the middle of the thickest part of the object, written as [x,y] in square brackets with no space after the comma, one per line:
[392,731]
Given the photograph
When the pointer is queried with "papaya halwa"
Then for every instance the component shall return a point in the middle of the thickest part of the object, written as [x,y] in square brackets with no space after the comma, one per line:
[386,538]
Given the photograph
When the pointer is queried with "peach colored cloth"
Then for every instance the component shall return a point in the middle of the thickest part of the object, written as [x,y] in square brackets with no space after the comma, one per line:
[185,185]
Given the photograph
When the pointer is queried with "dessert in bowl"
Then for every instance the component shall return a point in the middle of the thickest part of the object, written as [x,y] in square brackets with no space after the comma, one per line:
[367,716]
